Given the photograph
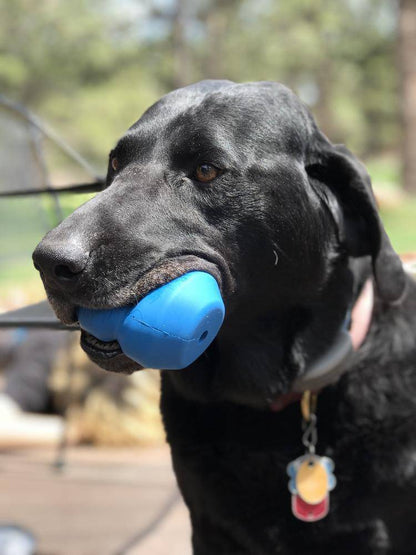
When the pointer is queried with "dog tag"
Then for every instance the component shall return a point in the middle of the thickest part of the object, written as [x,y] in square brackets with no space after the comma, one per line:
[311,480]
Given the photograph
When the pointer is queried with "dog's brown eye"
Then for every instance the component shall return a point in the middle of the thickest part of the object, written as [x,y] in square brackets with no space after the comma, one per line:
[114,163]
[206,173]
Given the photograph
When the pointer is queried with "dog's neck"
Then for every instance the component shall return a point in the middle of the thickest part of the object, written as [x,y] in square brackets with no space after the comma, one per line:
[330,366]
[333,362]
[257,357]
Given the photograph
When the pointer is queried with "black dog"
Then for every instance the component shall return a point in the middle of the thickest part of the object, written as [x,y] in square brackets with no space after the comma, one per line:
[237,180]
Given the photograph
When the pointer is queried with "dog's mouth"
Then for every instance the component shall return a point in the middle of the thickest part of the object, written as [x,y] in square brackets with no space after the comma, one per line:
[108,354]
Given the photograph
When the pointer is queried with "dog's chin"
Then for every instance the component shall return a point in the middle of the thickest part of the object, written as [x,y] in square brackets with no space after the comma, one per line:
[107,355]
[119,364]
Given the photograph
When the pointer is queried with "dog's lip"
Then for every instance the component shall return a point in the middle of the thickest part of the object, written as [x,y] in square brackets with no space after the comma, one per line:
[172,267]
[163,272]
[120,363]
[111,360]
[101,349]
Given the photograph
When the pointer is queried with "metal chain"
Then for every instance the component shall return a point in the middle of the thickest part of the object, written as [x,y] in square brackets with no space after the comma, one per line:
[310,434]
[309,420]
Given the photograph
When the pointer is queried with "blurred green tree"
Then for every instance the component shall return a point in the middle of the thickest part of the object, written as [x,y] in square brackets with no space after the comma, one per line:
[78,64]
[339,56]
[49,45]
[92,66]
[407,57]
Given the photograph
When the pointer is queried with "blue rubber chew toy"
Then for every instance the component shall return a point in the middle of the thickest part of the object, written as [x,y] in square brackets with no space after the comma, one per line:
[169,328]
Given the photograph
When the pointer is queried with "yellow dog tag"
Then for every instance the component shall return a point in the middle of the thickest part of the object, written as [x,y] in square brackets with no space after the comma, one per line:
[312,480]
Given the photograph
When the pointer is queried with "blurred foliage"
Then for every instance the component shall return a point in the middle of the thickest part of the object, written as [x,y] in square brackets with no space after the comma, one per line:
[91,67]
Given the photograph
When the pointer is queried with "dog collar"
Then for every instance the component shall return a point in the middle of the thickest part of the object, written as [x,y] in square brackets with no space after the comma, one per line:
[332,364]
[328,368]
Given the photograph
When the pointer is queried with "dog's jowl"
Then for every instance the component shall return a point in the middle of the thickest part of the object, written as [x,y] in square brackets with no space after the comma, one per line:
[238,182]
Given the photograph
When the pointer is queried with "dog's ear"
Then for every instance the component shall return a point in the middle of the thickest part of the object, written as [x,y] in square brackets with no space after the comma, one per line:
[361,230]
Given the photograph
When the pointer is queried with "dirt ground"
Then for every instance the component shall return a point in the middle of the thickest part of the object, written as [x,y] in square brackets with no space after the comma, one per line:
[98,504]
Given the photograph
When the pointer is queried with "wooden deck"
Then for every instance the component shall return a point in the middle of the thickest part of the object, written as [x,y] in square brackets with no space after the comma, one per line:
[99,502]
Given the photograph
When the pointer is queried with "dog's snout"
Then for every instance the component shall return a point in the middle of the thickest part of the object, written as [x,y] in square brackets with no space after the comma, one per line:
[60,263]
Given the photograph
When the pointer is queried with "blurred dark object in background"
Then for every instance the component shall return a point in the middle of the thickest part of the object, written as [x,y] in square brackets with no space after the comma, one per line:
[31,356]
[46,372]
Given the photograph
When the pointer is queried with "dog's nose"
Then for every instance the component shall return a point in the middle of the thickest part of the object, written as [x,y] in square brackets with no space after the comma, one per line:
[61,264]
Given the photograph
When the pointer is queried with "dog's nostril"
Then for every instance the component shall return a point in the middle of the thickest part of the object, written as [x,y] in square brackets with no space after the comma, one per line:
[63,272]
[60,263]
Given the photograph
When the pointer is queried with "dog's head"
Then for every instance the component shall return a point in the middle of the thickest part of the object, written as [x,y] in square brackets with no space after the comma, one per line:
[235,180]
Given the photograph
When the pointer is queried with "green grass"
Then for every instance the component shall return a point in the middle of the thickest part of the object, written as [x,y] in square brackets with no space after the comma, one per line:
[384,172]
[398,214]
[400,224]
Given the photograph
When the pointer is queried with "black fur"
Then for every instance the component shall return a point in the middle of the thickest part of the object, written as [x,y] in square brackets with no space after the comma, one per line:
[284,193]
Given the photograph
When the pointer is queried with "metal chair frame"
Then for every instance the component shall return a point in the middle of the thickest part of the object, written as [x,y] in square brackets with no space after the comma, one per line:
[40,315]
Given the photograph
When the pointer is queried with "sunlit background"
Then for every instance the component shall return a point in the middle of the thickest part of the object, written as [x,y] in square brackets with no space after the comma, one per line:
[87,69]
